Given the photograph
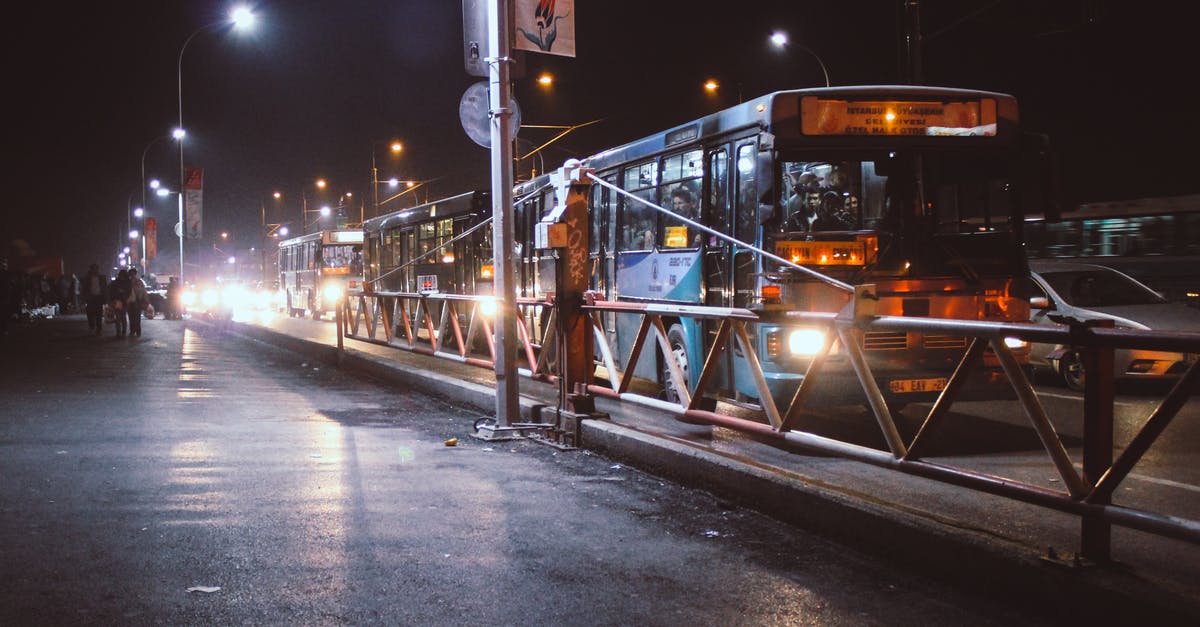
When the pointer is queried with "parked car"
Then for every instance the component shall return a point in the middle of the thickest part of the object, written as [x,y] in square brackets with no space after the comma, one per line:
[1090,292]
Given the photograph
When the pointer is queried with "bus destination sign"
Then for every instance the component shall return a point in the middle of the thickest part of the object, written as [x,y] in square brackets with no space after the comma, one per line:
[962,118]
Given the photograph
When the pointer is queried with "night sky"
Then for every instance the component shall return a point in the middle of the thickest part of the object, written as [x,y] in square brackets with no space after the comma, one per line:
[308,93]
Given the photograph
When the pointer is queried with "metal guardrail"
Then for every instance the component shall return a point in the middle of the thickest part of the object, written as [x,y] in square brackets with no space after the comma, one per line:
[432,324]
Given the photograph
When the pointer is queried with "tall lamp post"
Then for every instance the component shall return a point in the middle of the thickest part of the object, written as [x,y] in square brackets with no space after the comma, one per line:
[241,18]
[780,40]
[395,148]
[145,262]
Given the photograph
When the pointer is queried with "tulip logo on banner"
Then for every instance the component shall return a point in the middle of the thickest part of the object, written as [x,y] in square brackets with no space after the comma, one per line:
[193,195]
[546,26]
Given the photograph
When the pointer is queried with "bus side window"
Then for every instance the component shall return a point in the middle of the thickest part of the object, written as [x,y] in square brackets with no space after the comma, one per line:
[747,195]
[716,210]
[637,220]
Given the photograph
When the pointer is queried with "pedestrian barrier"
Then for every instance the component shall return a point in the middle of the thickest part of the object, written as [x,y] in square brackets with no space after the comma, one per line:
[458,327]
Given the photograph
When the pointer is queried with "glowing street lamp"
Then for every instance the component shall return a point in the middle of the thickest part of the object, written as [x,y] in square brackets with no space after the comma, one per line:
[395,147]
[780,40]
[242,18]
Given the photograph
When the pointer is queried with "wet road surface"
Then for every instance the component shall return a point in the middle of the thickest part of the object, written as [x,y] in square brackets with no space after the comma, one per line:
[132,470]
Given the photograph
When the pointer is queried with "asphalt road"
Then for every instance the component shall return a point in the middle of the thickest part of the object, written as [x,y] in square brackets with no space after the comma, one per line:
[988,437]
[135,471]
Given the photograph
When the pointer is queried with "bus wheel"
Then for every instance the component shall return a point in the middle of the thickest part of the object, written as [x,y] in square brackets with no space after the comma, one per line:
[1070,368]
[678,342]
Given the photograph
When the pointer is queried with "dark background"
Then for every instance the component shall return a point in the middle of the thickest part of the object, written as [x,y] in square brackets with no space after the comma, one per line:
[309,92]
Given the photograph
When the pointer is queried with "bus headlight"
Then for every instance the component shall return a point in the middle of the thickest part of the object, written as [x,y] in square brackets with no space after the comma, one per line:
[806,342]
[333,293]
[1015,342]
[487,306]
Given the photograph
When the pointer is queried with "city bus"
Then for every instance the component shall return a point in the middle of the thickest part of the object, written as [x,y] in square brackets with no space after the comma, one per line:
[1155,240]
[439,246]
[315,270]
[920,191]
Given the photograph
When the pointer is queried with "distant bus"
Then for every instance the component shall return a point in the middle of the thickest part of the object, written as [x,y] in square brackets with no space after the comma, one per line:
[317,269]
[1155,240]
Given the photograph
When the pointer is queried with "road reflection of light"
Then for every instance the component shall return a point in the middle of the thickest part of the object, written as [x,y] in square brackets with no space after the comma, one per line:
[192,377]
[193,483]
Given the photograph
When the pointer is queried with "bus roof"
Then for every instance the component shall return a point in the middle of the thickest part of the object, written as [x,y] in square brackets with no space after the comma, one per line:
[454,205]
[778,112]
[339,236]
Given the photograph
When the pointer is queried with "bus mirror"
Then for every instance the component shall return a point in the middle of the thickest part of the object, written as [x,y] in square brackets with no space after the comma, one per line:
[1039,302]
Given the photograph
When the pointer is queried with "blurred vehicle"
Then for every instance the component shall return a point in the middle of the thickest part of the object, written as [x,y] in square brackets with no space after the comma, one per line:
[227,300]
[1079,291]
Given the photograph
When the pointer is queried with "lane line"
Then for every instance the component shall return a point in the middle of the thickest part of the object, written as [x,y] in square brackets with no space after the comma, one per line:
[1071,397]
[1166,482]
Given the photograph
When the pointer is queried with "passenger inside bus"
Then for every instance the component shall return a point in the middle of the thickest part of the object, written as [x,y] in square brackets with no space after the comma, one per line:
[821,197]
[683,203]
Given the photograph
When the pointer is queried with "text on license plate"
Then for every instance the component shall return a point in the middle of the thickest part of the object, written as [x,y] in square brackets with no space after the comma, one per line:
[901,386]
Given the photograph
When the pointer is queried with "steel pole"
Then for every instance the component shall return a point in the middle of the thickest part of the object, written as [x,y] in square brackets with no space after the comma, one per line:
[499,53]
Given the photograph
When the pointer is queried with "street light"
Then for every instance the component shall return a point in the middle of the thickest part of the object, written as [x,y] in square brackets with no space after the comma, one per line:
[241,17]
[395,148]
[780,40]
[145,262]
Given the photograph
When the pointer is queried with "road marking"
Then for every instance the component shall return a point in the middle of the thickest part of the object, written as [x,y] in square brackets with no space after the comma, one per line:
[1166,482]
[1071,397]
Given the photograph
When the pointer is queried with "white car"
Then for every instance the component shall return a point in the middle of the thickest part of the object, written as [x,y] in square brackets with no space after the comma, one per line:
[1090,292]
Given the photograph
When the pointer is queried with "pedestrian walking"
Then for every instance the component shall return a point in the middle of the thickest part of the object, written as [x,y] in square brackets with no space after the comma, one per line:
[118,297]
[75,302]
[138,299]
[95,291]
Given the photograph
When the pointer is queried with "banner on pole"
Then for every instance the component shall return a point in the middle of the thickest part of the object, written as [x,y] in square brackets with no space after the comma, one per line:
[546,26]
[193,209]
[151,236]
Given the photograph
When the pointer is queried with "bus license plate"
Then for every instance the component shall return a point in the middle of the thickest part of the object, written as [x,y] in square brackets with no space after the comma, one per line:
[903,386]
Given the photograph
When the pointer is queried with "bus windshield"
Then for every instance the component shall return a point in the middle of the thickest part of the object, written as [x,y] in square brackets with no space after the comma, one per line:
[341,256]
[963,192]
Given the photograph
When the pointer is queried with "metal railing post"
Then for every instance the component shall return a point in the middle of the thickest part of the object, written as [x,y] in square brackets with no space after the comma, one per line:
[1096,532]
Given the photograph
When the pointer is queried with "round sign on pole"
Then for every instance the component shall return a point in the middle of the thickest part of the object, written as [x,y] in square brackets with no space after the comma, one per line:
[178,229]
[473,112]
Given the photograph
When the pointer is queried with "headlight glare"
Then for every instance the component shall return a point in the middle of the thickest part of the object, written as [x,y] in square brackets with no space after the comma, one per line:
[806,342]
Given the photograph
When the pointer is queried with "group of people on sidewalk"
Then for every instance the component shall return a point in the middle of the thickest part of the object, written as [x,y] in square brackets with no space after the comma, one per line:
[125,296]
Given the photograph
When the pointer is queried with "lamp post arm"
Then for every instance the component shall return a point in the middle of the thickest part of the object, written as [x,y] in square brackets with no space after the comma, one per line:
[819,62]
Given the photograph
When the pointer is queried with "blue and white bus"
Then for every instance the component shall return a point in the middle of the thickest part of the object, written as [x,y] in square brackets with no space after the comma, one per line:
[918,190]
